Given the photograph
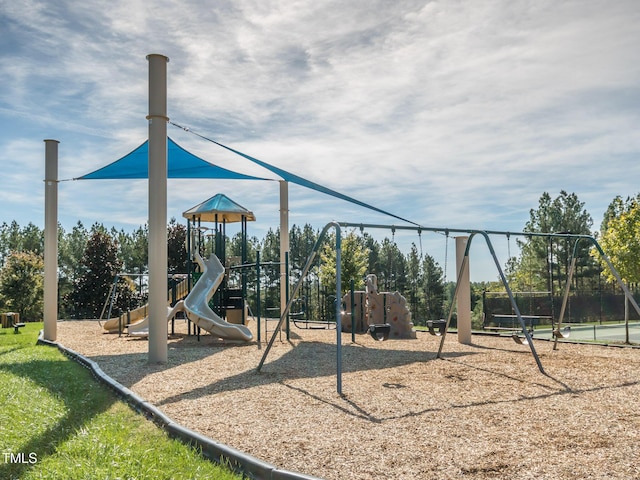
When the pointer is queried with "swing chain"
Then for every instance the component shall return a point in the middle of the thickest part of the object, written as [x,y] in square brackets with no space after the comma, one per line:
[446,253]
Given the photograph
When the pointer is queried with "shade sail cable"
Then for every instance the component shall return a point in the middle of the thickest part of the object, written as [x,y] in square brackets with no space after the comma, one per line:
[293,178]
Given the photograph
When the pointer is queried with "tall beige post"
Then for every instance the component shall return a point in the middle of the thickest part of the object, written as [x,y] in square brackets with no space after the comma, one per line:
[158,330]
[50,240]
[464,293]
[284,241]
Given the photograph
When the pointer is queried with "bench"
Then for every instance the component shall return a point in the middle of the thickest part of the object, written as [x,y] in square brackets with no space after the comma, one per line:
[515,328]
[17,326]
[530,319]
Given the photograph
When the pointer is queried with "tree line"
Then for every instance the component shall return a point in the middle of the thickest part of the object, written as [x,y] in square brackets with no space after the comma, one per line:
[90,258]
[544,263]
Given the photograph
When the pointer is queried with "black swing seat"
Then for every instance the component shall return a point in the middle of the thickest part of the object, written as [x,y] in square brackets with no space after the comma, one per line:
[437,327]
[566,331]
[520,340]
[16,326]
[380,331]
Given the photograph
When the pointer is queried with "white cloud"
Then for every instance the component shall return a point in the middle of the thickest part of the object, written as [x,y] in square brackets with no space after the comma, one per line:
[449,113]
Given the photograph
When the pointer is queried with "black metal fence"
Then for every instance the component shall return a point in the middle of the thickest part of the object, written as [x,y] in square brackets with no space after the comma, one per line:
[582,307]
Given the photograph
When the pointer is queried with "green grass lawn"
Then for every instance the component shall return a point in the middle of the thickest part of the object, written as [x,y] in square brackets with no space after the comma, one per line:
[57,421]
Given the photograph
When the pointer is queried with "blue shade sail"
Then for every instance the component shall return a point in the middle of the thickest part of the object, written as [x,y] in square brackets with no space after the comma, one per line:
[180,164]
[183,164]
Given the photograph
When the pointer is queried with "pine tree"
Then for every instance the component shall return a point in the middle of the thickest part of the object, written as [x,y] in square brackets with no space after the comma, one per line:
[177,255]
[99,266]
[433,289]
[354,260]
[546,260]
[414,279]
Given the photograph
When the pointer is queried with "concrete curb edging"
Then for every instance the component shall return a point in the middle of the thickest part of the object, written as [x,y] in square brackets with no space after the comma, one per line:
[240,462]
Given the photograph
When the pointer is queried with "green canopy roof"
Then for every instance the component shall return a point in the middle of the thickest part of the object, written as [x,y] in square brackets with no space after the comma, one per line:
[219,208]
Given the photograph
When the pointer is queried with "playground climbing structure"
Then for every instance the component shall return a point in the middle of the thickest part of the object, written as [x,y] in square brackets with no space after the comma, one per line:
[372,307]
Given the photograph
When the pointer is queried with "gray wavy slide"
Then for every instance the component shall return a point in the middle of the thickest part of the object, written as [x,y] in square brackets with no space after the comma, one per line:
[196,306]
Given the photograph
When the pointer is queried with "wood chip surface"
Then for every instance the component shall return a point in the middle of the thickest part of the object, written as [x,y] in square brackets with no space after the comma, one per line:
[484,411]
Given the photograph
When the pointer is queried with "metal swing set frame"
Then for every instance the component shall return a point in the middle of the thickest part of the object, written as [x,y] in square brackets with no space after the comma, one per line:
[472,233]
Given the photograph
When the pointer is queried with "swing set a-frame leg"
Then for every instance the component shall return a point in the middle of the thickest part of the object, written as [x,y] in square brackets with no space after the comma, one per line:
[528,339]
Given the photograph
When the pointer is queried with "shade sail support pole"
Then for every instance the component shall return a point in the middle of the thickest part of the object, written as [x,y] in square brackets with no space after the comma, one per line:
[50,313]
[158,327]
[464,294]
[284,245]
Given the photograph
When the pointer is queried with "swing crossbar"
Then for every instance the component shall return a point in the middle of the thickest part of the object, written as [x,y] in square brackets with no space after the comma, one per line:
[469,231]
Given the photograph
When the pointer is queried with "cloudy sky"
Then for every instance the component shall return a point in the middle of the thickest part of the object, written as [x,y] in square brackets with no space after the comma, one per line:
[452,114]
